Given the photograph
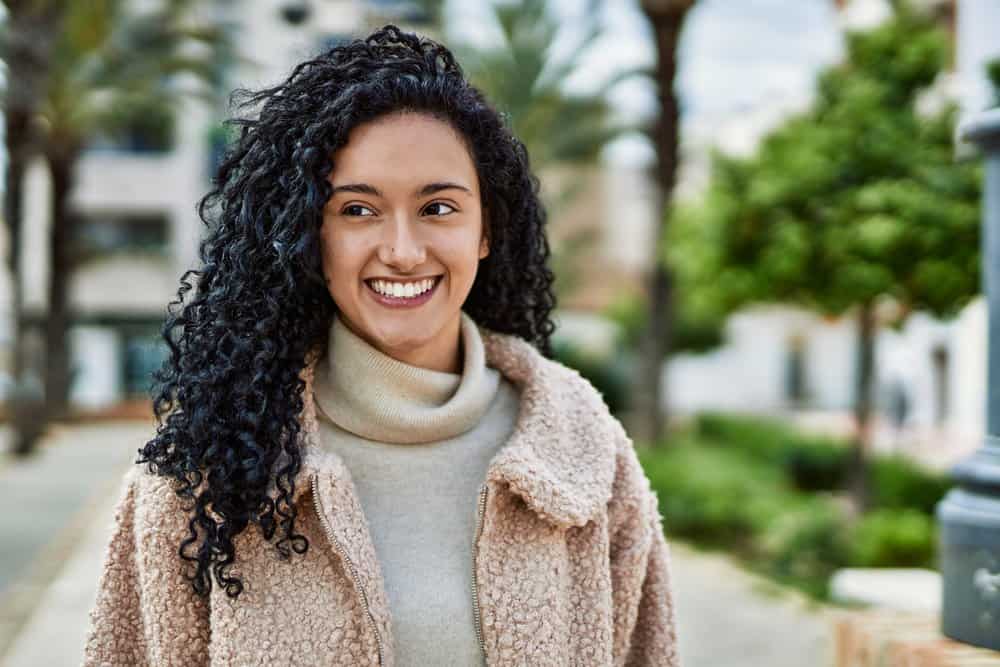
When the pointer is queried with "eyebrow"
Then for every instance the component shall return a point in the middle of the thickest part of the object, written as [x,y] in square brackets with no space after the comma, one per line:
[428,189]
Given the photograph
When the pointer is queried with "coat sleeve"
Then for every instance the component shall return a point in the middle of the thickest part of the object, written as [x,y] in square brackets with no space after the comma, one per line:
[644,617]
[145,612]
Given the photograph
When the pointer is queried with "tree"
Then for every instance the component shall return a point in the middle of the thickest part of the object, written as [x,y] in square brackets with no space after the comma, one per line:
[27,41]
[857,201]
[113,67]
[667,20]
[524,81]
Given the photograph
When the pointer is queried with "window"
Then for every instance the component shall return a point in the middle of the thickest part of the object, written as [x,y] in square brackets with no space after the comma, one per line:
[104,234]
[144,353]
[144,126]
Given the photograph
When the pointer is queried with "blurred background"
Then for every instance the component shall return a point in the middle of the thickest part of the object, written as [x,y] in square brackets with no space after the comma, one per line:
[767,248]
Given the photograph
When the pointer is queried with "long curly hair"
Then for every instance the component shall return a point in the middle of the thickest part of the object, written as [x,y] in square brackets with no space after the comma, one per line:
[230,387]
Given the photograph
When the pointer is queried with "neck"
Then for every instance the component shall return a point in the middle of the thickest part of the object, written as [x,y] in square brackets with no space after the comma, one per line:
[372,394]
[444,358]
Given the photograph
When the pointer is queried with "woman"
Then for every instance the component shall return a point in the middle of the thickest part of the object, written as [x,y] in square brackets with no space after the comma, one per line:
[365,371]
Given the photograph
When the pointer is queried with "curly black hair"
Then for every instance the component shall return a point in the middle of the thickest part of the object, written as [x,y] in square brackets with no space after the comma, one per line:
[231,387]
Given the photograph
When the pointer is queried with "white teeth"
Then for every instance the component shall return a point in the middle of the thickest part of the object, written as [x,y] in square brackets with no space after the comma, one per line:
[400,290]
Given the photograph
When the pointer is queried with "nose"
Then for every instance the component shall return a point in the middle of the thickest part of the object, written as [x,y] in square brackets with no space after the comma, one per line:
[400,246]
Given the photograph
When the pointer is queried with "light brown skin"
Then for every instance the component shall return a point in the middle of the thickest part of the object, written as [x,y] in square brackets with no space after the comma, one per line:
[403,234]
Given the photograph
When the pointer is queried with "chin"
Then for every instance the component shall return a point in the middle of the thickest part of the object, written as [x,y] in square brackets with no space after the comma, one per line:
[402,336]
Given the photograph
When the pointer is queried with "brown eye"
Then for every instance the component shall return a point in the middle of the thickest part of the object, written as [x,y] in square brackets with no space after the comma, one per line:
[440,203]
[350,211]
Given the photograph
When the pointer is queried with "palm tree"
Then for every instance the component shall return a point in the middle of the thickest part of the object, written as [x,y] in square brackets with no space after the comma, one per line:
[525,82]
[111,65]
[27,41]
[666,17]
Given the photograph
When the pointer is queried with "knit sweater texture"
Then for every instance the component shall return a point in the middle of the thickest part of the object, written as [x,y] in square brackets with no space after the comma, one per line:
[417,443]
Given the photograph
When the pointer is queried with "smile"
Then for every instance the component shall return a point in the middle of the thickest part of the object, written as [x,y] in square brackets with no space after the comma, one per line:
[402,301]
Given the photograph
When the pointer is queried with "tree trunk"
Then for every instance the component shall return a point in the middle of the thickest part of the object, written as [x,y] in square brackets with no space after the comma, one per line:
[62,163]
[667,19]
[30,34]
[26,412]
[17,150]
[864,392]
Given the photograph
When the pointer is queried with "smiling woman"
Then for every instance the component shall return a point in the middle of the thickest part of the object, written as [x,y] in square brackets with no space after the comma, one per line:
[402,236]
[365,369]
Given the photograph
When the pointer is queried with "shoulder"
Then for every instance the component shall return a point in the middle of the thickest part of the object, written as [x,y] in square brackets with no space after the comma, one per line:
[575,391]
[632,501]
[152,505]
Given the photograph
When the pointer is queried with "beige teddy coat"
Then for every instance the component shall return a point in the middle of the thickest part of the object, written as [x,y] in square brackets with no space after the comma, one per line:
[571,562]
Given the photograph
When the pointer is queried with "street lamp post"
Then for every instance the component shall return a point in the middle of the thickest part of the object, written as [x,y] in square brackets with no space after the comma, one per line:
[969,515]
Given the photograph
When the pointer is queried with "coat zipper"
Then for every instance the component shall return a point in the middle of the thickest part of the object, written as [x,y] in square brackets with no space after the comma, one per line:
[475,559]
[350,565]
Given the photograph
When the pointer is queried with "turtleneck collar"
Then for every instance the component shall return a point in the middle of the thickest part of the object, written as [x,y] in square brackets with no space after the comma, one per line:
[373,395]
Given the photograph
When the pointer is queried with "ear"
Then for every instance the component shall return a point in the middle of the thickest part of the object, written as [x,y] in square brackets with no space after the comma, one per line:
[484,247]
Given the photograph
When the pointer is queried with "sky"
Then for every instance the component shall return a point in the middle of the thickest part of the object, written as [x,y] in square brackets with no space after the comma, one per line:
[746,59]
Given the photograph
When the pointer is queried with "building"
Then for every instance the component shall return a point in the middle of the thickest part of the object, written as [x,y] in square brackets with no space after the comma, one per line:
[136,196]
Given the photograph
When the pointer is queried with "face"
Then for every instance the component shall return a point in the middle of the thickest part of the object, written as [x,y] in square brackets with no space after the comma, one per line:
[405,212]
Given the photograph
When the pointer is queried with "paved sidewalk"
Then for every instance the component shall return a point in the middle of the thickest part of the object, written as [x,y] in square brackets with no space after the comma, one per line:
[727,617]
[52,501]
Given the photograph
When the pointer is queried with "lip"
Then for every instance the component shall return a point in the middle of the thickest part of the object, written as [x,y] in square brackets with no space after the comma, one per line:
[402,301]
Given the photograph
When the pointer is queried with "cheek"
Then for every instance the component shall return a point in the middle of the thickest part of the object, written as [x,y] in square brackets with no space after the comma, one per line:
[341,254]
[462,252]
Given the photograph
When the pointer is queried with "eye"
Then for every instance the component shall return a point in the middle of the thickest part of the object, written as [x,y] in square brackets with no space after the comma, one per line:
[347,211]
[441,203]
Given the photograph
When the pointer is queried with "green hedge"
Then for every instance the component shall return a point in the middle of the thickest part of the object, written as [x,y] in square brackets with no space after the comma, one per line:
[713,496]
[820,463]
[748,486]
[894,538]
[805,544]
[897,483]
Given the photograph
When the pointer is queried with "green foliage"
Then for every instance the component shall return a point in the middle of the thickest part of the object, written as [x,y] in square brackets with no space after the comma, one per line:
[692,331]
[819,463]
[993,74]
[856,199]
[819,467]
[114,67]
[714,496]
[735,483]
[525,83]
[898,483]
[806,543]
[769,440]
[894,538]
[629,313]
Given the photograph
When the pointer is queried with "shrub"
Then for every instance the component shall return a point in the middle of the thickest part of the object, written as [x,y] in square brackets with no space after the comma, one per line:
[765,439]
[894,538]
[817,466]
[805,544]
[818,463]
[713,496]
[898,483]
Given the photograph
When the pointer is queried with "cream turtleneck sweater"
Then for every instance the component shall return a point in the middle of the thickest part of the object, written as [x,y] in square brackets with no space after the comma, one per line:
[417,443]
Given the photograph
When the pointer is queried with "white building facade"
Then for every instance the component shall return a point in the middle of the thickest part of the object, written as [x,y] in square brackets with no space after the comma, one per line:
[138,203]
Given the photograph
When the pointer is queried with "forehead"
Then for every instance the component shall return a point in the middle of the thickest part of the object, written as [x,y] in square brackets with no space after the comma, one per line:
[403,148]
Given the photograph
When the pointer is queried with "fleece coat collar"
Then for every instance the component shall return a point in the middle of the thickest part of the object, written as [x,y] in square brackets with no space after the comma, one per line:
[560,462]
